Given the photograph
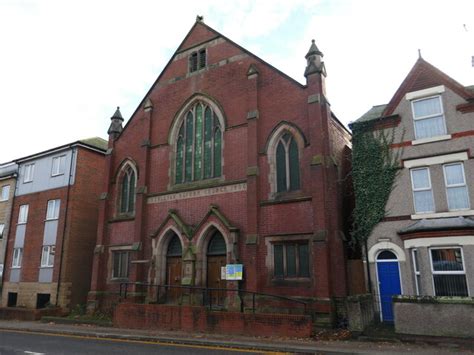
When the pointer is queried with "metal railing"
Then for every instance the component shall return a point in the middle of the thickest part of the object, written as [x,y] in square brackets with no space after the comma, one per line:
[207,293]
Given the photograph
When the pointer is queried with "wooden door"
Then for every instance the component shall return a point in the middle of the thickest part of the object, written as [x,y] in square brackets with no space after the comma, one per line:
[214,265]
[173,278]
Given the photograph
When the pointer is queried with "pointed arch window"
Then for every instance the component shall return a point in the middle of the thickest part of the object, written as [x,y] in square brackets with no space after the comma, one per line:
[287,164]
[127,191]
[174,247]
[199,145]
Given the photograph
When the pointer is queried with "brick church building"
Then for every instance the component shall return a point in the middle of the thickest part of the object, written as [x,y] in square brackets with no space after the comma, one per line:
[226,160]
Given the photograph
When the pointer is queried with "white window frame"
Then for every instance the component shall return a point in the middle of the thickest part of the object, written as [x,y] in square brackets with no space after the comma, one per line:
[2,229]
[23,214]
[17,257]
[5,193]
[456,185]
[428,116]
[416,269]
[52,209]
[47,255]
[451,272]
[29,172]
[56,165]
[422,189]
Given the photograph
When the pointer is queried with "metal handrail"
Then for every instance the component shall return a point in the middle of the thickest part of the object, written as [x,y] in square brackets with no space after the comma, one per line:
[205,290]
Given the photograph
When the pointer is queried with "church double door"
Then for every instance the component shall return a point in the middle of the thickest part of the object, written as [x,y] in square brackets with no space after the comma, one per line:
[173,278]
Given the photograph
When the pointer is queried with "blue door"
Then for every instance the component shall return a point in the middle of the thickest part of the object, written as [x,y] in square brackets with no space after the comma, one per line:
[389,282]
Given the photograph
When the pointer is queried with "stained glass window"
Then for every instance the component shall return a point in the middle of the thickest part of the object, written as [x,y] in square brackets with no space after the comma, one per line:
[287,164]
[127,195]
[199,145]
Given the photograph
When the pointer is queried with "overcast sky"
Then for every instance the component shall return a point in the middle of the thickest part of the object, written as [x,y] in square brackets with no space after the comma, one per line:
[65,65]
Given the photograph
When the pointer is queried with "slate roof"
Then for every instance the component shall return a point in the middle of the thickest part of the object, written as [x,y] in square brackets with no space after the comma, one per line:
[374,113]
[439,224]
[95,142]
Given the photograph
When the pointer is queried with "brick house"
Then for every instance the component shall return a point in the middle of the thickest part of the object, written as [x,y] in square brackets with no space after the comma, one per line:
[425,244]
[8,173]
[54,222]
[226,160]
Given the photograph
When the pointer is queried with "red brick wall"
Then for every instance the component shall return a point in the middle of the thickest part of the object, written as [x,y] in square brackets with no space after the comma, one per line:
[278,99]
[80,214]
[34,233]
[198,319]
[82,223]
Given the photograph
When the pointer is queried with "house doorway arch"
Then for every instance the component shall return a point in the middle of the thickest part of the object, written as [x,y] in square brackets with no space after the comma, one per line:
[388,277]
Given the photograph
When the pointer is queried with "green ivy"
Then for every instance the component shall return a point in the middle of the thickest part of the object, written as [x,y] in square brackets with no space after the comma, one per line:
[374,168]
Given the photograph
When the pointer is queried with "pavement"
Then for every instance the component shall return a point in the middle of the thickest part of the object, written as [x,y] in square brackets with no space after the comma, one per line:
[367,345]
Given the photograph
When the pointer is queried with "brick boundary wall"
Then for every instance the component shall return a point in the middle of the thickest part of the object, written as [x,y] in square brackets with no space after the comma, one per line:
[199,319]
[24,314]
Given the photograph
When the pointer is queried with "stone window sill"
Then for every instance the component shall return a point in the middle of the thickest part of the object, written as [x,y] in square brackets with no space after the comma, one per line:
[459,213]
[431,139]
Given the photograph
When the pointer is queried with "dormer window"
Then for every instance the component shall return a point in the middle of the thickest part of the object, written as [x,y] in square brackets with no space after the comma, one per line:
[197,60]
[428,117]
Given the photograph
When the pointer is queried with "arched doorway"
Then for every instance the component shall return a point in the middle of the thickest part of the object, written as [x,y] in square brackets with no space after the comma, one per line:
[216,259]
[173,268]
[388,274]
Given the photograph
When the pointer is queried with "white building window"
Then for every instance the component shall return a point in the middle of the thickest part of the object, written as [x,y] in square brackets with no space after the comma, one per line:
[449,276]
[456,189]
[23,214]
[53,209]
[29,172]
[422,192]
[59,165]
[120,264]
[2,228]
[416,270]
[5,193]
[428,116]
[47,256]
[17,255]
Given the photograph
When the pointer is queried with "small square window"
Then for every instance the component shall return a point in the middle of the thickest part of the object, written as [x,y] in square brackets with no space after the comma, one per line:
[17,256]
[202,58]
[193,62]
[47,256]
[28,172]
[121,260]
[5,193]
[53,209]
[2,228]
[23,214]
[59,165]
